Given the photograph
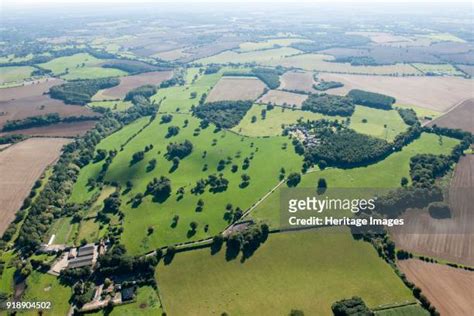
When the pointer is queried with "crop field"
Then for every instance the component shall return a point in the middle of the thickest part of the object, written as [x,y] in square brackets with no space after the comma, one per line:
[462,116]
[17,103]
[323,63]
[468,69]
[80,66]
[131,82]
[445,92]
[271,43]
[171,55]
[450,239]
[16,181]
[44,287]
[283,98]
[385,174]
[9,75]
[314,272]
[261,56]
[297,80]
[274,119]
[236,88]
[379,123]
[28,89]
[189,171]
[39,105]
[62,129]
[448,289]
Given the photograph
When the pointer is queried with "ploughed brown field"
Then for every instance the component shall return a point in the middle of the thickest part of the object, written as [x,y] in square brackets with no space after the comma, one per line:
[20,166]
[63,129]
[283,98]
[450,239]
[462,116]
[236,88]
[21,102]
[449,289]
[434,93]
[297,80]
[131,82]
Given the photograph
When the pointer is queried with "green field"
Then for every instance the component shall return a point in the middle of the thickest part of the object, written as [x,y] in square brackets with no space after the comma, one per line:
[268,56]
[263,172]
[80,193]
[147,303]
[439,69]
[307,270]
[113,105]
[179,98]
[420,112]
[272,124]
[45,287]
[14,74]
[409,310]
[384,175]
[376,122]
[6,278]
[80,66]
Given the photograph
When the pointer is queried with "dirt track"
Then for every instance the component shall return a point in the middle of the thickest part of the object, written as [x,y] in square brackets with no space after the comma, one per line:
[450,290]
[20,166]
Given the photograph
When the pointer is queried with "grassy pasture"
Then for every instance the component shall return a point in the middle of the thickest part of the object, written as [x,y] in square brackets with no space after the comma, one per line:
[45,287]
[262,56]
[420,112]
[6,278]
[272,124]
[376,122]
[306,270]
[179,97]
[9,75]
[113,105]
[80,66]
[80,192]
[385,174]
[262,171]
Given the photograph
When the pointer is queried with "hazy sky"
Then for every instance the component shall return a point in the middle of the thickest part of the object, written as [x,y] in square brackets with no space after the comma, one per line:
[43,2]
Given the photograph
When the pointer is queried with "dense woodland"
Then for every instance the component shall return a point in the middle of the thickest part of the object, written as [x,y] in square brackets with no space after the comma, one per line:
[224,114]
[329,104]
[81,91]
[371,99]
